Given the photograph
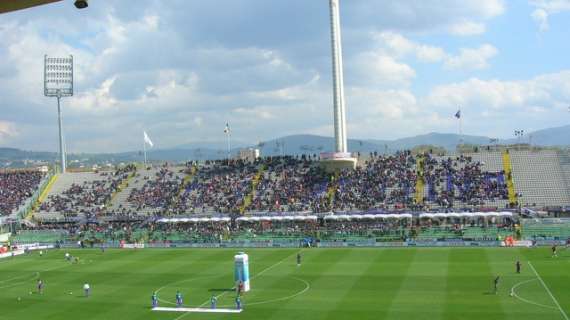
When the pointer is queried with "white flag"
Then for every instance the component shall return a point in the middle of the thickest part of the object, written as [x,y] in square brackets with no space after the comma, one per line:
[147,139]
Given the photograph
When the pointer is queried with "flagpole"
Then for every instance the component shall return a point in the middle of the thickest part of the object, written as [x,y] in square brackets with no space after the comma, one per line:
[460,126]
[228,133]
[144,151]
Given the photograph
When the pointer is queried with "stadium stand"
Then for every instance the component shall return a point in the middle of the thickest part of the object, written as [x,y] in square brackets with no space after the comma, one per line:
[469,181]
[88,193]
[16,187]
[545,229]
[158,192]
[539,178]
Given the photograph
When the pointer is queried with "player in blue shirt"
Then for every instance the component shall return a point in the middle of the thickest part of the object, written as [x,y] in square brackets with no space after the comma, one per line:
[238,302]
[178,299]
[154,299]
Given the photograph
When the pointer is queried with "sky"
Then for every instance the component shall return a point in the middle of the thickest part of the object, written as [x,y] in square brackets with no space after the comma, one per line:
[181,69]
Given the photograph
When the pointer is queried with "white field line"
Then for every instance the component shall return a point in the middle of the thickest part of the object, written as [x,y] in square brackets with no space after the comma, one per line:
[549,293]
[514,293]
[255,276]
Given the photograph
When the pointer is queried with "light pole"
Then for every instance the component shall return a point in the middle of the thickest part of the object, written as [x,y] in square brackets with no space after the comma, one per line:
[228,133]
[519,134]
[58,82]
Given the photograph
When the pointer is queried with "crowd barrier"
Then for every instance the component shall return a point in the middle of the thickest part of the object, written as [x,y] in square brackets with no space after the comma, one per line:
[297,244]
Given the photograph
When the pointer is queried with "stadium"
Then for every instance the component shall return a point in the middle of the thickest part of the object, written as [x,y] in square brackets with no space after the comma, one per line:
[481,231]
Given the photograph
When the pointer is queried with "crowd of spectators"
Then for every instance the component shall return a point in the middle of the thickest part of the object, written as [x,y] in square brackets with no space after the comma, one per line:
[220,186]
[89,197]
[288,184]
[292,184]
[382,182]
[462,181]
[16,187]
[159,193]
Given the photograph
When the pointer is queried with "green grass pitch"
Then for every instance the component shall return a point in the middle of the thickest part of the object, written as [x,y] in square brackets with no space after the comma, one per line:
[358,283]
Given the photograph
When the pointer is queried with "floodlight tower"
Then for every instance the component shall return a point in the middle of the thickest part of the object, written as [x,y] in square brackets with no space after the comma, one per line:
[58,82]
[338,79]
[340,158]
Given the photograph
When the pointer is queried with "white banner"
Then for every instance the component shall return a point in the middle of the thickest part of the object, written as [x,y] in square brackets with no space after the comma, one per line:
[132,246]
[4,237]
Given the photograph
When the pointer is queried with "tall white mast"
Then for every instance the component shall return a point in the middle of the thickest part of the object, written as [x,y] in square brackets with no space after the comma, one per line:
[338,82]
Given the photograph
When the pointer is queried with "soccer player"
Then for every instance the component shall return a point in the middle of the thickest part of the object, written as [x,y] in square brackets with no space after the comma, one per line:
[154,299]
[240,288]
[67,256]
[178,299]
[87,289]
[496,282]
[554,252]
[567,243]
[298,259]
[518,266]
[213,302]
[41,253]
[40,286]
[238,302]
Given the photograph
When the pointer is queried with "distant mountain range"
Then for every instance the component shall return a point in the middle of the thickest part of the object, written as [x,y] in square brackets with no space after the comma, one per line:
[291,145]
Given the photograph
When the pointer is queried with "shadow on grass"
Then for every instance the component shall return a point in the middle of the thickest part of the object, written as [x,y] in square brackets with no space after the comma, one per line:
[221,290]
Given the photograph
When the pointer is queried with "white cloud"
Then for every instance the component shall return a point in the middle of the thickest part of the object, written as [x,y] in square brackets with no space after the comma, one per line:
[467,28]
[180,71]
[377,69]
[490,107]
[546,8]
[550,91]
[427,16]
[471,58]
[398,45]
[7,130]
[540,16]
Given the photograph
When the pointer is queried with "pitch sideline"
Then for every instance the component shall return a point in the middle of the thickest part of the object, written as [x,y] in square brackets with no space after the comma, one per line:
[548,290]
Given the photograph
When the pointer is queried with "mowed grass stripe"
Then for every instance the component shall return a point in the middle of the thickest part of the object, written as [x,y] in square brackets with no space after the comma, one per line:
[406,283]
[329,291]
[103,272]
[277,282]
[468,287]
[424,288]
[114,277]
[555,274]
[316,269]
[351,298]
[371,294]
[502,262]
[268,261]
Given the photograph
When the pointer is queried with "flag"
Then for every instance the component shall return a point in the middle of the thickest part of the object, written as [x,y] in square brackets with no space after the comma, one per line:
[458,114]
[227,128]
[147,139]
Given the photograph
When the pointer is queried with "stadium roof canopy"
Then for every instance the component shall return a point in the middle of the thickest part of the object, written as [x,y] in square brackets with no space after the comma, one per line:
[14,5]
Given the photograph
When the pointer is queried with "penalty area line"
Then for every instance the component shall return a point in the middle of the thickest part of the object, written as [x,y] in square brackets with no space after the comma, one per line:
[514,294]
[548,290]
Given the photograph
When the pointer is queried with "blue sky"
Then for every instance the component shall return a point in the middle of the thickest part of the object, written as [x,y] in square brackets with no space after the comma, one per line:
[181,71]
